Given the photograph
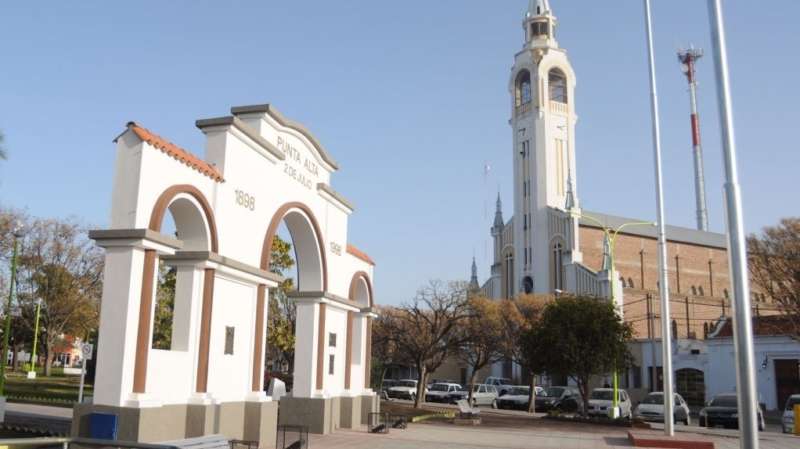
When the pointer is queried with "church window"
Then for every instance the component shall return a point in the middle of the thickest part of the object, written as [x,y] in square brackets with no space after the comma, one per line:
[630,283]
[560,183]
[523,95]
[540,29]
[694,290]
[558,86]
[557,268]
[700,291]
[725,293]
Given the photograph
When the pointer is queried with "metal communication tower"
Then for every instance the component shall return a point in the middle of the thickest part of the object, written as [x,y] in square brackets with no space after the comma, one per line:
[688,58]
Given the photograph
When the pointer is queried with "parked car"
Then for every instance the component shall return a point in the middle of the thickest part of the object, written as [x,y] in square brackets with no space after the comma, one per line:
[385,386]
[723,410]
[482,394]
[516,398]
[405,389]
[441,392]
[601,400]
[788,413]
[652,408]
[503,384]
[547,398]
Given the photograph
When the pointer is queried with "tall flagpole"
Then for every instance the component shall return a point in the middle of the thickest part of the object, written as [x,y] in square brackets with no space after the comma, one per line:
[737,251]
[663,286]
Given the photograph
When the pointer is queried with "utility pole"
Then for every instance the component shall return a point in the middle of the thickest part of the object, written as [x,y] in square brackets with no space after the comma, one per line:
[666,341]
[688,58]
[737,251]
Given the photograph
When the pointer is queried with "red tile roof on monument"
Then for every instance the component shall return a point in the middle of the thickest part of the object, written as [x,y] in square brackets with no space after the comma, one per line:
[770,325]
[352,250]
[175,151]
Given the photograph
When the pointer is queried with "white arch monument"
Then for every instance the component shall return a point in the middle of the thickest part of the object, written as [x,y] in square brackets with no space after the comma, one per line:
[260,169]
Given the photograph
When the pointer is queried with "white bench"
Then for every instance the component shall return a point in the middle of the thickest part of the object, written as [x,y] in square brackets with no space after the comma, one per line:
[204,442]
[465,411]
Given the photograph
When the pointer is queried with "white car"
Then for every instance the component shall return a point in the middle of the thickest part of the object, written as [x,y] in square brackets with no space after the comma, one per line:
[788,413]
[481,395]
[517,398]
[441,392]
[652,408]
[404,389]
[502,384]
[601,401]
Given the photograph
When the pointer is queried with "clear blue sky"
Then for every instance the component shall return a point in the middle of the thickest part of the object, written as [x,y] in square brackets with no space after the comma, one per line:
[410,97]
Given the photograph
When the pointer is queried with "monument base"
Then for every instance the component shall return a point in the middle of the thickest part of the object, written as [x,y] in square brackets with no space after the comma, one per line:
[351,412]
[370,403]
[254,421]
[321,415]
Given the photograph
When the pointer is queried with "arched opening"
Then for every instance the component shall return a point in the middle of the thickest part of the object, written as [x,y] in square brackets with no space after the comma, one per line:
[523,94]
[357,355]
[557,266]
[558,86]
[690,384]
[181,211]
[508,273]
[293,248]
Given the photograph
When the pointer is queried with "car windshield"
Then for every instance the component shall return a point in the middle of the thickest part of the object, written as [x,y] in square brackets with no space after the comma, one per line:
[551,392]
[475,388]
[439,387]
[724,401]
[791,402]
[519,391]
[407,383]
[604,395]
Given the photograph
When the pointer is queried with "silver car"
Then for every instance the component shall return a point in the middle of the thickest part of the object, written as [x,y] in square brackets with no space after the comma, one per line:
[652,408]
[787,420]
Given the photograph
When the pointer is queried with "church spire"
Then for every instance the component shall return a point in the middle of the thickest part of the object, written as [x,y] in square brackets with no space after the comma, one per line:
[538,8]
[498,213]
[473,281]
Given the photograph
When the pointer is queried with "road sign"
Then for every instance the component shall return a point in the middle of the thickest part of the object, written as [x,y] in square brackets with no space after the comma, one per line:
[86,350]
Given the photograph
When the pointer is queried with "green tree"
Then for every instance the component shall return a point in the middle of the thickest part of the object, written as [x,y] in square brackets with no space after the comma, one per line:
[580,337]
[165,307]
[282,310]
[519,316]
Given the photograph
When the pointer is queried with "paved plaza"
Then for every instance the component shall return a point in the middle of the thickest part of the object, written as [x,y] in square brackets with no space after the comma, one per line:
[530,434]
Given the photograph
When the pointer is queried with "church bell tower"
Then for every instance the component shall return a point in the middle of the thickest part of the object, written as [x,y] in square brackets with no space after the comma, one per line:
[542,87]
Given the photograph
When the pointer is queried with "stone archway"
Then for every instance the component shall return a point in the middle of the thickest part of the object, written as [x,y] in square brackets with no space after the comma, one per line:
[690,383]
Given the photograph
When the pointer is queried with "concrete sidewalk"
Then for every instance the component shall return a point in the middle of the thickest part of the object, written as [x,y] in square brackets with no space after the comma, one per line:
[540,435]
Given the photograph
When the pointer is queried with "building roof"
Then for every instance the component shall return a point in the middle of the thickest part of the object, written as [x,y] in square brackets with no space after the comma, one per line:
[357,253]
[674,233]
[770,325]
[280,118]
[175,151]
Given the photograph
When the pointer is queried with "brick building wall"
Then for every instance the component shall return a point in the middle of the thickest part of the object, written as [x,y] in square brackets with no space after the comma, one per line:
[698,280]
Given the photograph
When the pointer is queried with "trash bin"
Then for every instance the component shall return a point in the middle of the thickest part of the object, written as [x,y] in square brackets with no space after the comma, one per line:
[103,426]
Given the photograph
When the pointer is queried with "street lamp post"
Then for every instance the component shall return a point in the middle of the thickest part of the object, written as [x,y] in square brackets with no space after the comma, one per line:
[32,364]
[7,327]
[610,236]
[663,283]
[737,251]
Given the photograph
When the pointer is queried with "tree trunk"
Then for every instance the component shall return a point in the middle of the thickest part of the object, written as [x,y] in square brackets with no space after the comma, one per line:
[471,385]
[532,394]
[48,361]
[15,357]
[423,379]
[583,386]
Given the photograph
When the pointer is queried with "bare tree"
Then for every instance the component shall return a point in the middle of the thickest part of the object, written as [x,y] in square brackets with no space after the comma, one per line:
[519,317]
[425,328]
[483,338]
[775,267]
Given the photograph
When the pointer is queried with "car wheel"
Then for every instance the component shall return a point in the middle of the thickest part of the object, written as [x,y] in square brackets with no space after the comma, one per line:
[494,404]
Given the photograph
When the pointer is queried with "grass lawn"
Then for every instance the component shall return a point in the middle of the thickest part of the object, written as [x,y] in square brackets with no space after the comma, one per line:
[57,390]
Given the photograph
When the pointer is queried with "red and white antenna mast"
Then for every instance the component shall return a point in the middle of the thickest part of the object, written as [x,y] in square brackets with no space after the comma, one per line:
[688,58]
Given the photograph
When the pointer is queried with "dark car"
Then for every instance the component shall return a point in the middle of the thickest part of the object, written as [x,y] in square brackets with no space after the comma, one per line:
[723,411]
[547,399]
